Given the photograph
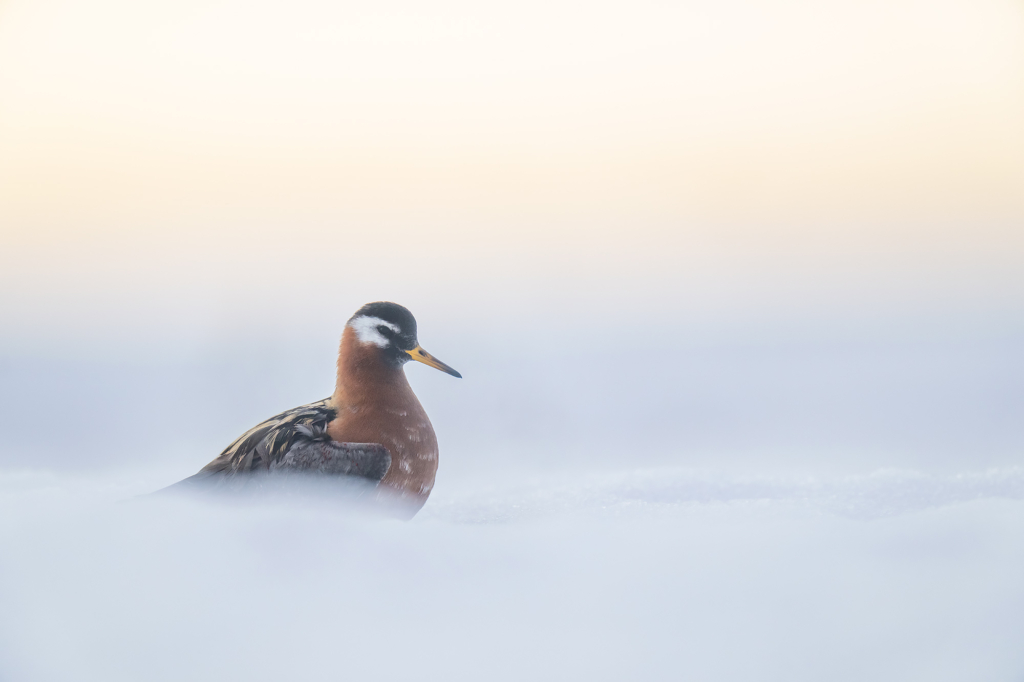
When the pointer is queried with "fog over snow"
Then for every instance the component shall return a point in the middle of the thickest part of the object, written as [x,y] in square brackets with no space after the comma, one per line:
[663,574]
[772,506]
[736,290]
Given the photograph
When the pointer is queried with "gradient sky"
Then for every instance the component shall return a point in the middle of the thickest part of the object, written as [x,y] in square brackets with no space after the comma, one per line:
[818,206]
[112,109]
[736,287]
[182,147]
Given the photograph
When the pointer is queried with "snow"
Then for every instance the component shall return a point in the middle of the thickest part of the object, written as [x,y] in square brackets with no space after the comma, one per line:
[653,574]
[760,506]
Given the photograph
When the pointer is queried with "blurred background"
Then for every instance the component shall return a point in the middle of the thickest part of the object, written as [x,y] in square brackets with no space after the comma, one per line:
[755,234]
[737,289]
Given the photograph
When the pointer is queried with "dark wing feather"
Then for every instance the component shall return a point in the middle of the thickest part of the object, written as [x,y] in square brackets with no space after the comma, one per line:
[366,460]
[267,442]
[294,441]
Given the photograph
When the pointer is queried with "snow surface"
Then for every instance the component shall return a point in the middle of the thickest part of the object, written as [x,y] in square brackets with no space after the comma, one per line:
[659,574]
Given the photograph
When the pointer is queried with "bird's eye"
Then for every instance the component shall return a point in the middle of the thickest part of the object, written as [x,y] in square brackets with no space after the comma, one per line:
[384,331]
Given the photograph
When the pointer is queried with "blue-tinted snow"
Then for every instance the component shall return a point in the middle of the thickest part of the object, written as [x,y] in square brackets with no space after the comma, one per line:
[656,574]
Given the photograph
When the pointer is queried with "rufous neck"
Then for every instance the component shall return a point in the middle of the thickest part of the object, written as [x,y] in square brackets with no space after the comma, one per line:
[365,375]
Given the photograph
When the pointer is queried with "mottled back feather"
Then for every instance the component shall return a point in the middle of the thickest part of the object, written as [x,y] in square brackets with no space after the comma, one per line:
[267,442]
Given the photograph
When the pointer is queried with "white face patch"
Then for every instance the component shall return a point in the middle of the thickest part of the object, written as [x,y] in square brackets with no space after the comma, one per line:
[365,328]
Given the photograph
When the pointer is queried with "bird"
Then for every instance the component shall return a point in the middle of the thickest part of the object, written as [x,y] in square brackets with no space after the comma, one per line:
[372,427]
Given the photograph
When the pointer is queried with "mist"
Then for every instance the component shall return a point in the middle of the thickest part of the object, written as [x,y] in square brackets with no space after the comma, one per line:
[661,575]
[618,500]
[736,290]
[724,473]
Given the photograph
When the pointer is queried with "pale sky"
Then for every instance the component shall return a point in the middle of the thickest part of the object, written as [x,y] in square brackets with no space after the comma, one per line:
[747,140]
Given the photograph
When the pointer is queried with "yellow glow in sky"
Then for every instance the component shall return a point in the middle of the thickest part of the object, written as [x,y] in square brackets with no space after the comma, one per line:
[693,108]
[141,140]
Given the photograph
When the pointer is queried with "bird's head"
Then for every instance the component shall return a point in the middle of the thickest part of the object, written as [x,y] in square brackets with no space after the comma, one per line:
[392,329]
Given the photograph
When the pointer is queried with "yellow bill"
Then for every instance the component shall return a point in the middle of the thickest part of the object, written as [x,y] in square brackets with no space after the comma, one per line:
[420,355]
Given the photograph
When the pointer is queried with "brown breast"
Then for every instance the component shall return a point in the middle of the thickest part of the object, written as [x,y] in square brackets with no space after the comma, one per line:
[375,404]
